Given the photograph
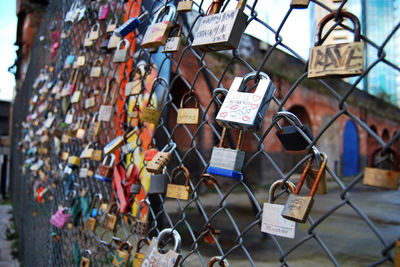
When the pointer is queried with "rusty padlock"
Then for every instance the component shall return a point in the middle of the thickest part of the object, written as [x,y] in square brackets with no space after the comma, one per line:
[111,217]
[179,191]
[121,258]
[105,170]
[217,259]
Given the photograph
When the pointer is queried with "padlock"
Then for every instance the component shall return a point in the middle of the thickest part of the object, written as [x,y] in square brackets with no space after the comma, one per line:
[138,256]
[158,183]
[210,235]
[121,55]
[112,24]
[225,161]
[83,125]
[113,42]
[106,109]
[103,12]
[105,170]
[179,191]
[81,60]
[243,110]
[272,221]
[184,6]
[69,88]
[322,187]
[298,208]
[69,61]
[150,114]
[153,257]
[90,102]
[135,85]
[290,137]
[85,259]
[299,3]
[87,42]
[141,223]
[118,141]
[94,125]
[69,117]
[111,217]
[388,179]
[337,60]
[74,161]
[221,31]
[157,32]
[94,212]
[97,153]
[94,32]
[160,160]
[61,217]
[121,258]
[133,109]
[76,96]
[129,25]
[174,42]
[83,171]
[218,259]
[104,44]
[96,69]
[188,115]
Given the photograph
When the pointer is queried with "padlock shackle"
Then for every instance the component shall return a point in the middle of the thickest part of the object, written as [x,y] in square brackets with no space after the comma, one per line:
[175,235]
[216,259]
[251,76]
[112,161]
[169,147]
[162,11]
[275,185]
[96,202]
[114,92]
[217,91]
[240,140]
[332,15]
[140,242]
[189,95]
[113,205]
[303,177]
[214,7]
[285,114]
[146,203]
[175,172]
[124,244]
[176,26]
[319,175]
[97,62]
[396,162]
[209,180]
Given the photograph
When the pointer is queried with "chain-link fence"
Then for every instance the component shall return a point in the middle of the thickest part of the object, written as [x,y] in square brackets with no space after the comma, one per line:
[222,217]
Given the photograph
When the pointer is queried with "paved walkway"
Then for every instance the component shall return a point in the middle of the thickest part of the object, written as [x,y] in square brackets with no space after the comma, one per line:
[5,246]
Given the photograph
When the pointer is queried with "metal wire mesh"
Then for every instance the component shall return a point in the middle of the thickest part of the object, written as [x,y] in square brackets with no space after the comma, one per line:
[234,206]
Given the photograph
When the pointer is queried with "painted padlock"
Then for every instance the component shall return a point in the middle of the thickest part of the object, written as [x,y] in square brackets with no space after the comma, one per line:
[298,208]
[176,190]
[157,32]
[122,256]
[61,217]
[153,256]
[221,31]
[105,170]
[244,110]
[227,162]
[337,60]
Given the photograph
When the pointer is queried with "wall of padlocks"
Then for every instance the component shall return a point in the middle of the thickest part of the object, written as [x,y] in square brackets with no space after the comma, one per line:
[100,177]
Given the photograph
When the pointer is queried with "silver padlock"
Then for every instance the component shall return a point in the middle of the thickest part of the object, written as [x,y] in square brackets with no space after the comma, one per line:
[221,31]
[153,256]
[174,42]
[158,183]
[225,161]
[243,110]
[121,55]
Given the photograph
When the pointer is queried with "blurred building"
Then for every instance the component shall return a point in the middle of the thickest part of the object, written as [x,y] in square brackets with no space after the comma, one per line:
[377,18]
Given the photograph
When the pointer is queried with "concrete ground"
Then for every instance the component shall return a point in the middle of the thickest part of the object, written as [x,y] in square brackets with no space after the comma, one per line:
[5,246]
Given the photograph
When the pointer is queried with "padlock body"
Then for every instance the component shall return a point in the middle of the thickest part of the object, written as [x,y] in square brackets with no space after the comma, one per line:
[221,31]
[244,110]
[103,11]
[299,3]
[133,88]
[94,128]
[104,173]
[59,219]
[158,162]
[120,55]
[90,102]
[135,188]
[381,178]
[297,208]
[113,42]
[322,187]
[127,27]
[158,184]
[105,112]
[226,158]
[184,6]
[150,115]
[156,34]
[154,258]
[292,140]
[85,262]
[74,161]
[110,222]
[141,227]
[325,62]
[188,116]
[121,259]
[91,224]
[137,259]
[172,45]
[95,72]
[178,191]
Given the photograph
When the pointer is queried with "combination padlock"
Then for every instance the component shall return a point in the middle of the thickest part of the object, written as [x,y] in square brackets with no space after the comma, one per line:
[179,191]
[141,223]
[298,208]
[244,110]
[227,162]
[160,160]
[290,137]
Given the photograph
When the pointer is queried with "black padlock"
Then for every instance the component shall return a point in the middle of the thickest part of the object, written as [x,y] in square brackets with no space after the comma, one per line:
[289,136]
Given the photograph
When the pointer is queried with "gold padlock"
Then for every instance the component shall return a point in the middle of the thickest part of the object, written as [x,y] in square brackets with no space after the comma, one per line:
[138,256]
[312,173]
[298,208]
[160,160]
[95,32]
[87,42]
[74,160]
[179,191]
[94,125]
[188,115]
[217,259]
[382,178]
[184,6]
[111,218]
[337,60]
[106,109]
[150,114]
[121,258]
[93,212]
[85,260]
[96,69]
[174,43]
[112,24]
[299,3]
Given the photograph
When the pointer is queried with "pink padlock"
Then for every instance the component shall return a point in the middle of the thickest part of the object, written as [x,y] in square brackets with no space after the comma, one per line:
[103,11]
[60,218]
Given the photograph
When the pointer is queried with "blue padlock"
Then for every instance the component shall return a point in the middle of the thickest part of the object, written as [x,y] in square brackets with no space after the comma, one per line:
[225,161]
[129,25]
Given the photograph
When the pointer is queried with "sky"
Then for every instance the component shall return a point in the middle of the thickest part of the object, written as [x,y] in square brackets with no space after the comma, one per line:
[295,34]
[8,29]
